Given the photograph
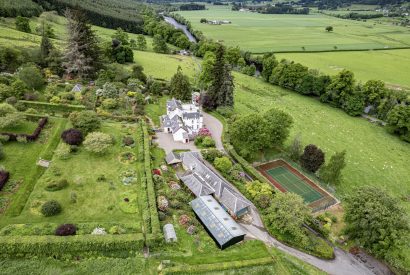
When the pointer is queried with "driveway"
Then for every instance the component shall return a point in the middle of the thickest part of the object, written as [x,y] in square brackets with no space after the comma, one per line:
[166,142]
[216,129]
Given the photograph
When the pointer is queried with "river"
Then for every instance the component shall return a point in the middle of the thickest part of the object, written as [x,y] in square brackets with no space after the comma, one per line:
[184,28]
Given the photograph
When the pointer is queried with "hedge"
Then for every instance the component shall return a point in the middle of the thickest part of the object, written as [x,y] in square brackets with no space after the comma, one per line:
[217,266]
[155,226]
[52,107]
[25,190]
[4,177]
[56,246]
[29,137]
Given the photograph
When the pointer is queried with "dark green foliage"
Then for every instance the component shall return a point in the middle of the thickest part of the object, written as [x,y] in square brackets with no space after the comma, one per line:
[51,208]
[23,24]
[180,86]
[211,154]
[354,104]
[332,172]
[295,149]
[269,63]
[119,52]
[398,120]
[50,107]
[138,73]
[341,87]
[220,92]
[159,44]
[66,230]
[10,59]
[376,220]
[57,186]
[278,126]
[374,91]
[312,158]
[85,121]
[14,8]
[45,47]
[83,53]
[288,75]
[31,76]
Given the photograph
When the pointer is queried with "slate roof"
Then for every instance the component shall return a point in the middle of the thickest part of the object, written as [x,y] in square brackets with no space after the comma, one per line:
[196,184]
[173,104]
[168,122]
[172,158]
[195,115]
[222,227]
[228,196]
[77,88]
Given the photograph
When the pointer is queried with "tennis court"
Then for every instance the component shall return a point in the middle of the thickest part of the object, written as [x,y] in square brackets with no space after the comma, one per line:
[292,183]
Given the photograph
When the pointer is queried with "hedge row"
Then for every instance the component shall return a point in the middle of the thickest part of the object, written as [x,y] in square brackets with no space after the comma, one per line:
[119,118]
[29,137]
[25,189]
[51,107]
[217,266]
[4,177]
[155,226]
[56,246]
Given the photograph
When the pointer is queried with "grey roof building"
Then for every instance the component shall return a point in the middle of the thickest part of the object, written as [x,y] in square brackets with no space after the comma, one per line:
[233,201]
[172,158]
[173,104]
[169,233]
[221,227]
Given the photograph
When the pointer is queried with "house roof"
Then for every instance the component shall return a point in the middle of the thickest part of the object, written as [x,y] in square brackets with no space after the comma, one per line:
[77,88]
[223,191]
[172,158]
[195,115]
[169,232]
[196,184]
[222,227]
[173,104]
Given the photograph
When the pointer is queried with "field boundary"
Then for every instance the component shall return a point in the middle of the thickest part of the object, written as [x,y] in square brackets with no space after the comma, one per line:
[335,51]
[325,202]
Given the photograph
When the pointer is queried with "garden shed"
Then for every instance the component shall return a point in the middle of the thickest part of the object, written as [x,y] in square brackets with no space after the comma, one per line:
[169,233]
[220,225]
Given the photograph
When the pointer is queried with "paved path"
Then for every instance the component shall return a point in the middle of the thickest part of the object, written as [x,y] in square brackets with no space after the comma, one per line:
[166,142]
[343,264]
[216,129]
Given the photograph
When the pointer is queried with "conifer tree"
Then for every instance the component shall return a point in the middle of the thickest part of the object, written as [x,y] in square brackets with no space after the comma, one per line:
[45,47]
[180,86]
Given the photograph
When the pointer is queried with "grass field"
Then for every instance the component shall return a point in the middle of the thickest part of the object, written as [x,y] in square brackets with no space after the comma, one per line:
[263,32]
[391,66]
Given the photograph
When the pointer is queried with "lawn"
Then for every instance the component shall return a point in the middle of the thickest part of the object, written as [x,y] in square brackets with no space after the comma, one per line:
[96,181]
[391,66]
[260,33]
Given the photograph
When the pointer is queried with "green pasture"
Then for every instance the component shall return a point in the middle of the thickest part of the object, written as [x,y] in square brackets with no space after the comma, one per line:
[280,32]
[294,184]
[391,66]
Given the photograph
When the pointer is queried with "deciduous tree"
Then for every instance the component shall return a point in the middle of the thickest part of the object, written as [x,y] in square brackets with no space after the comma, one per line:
[312,158]
[332,172]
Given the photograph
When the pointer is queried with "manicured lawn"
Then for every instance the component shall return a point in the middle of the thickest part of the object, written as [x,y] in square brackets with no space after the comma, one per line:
[391,66]
[156,109]
[26,127]
[277,32]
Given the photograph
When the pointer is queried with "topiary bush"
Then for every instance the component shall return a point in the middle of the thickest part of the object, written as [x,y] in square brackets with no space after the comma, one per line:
[56,186]
[51,208]
[72,136]
[66,230]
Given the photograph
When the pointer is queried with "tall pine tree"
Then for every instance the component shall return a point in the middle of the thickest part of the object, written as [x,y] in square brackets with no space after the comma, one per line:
[180,86]
[220,92]
[45,47]
[82,55]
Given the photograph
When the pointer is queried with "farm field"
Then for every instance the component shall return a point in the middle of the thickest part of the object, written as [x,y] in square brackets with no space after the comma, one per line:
[260,33]
[391,66]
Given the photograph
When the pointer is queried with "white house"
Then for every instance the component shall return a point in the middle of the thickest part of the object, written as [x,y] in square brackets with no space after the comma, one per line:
[183,121]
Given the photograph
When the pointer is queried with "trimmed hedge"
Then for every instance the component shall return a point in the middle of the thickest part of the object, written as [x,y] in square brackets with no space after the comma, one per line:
[4,177]
[56,246]
[152,202]
[32,137]
[51,107]
[217,266]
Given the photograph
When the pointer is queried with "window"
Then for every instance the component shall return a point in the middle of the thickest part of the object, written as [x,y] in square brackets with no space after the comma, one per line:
[216,208]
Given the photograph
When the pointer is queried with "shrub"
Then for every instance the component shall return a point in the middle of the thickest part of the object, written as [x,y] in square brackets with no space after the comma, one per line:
[73,197]
[99,231]
[31,76]
[223,164]
[66,230]
[56,186]
[4,177]
[211,154]
[116,230]
[22,139]
[109,104]
[128,141]
[312,158]
[208,142]
[63,151]
[51,208]
[85,121]
[1,151]
[72,137]
[97,142]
